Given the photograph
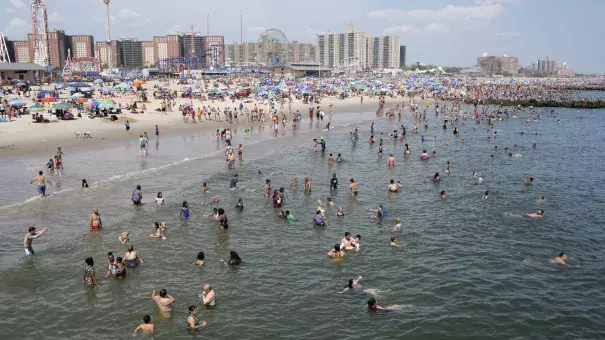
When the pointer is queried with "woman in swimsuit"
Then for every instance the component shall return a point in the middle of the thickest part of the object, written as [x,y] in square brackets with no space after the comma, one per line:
[234,259]
[131,258]
[199,261]
[391,161]
[192,321]
[185,210]
[222,219]
[424,156]
[159,230]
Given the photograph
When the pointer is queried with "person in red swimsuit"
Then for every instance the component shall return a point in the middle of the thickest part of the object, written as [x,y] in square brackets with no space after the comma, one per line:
[95,221]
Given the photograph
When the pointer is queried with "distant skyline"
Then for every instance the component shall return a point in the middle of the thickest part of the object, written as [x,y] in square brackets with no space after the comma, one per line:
[449,33]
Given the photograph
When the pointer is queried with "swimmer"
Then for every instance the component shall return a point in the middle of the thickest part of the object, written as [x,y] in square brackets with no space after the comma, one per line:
[393,187]
[289,217]
[207,296]
[353,187]
[84,184]
[391,161]
[131,258]
[146,327]
[159,200]
[163,300]
[357,242]
[124,238]
[193,323]
[185,210]
[319,219]
[374,307]
[346,243]
[537,214]
[336,253]
[540,199]
[353,284]
[397,226]
[479,181]
[434,154]
[329,202]
[234,259]
[95,221]
[331,159]
[282,214]
[204,187]
[29,238]
[334,182]
[528,180]
[340,212]
[394,242]
[486,195]
[294,183]
[199,260]
[42,182]
[159,230]
[442,194]
[447,170]
[240,205]
[436,177]
[424,156]
[561,259]
[475,175]
[267,188]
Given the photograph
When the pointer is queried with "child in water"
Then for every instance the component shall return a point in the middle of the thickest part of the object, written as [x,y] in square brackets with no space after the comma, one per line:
[146,327]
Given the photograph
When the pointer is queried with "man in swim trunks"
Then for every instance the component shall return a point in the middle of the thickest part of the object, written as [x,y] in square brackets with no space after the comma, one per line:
[95,220]
[163,301]
[353,187]
[29,238]
[347,242]
[42,181]
[561,260]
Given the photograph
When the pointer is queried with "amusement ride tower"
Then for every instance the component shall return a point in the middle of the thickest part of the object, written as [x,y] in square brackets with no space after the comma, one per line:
[40,33]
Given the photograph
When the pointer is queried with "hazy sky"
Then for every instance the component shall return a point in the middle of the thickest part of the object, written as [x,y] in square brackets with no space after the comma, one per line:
[451,32]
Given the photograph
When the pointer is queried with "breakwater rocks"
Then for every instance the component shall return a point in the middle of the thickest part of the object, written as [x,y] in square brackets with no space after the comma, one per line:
[575,104]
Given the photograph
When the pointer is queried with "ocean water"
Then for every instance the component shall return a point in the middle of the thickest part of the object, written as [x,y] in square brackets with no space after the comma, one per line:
[462,275]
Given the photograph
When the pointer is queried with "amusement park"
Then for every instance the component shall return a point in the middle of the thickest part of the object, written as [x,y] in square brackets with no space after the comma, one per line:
[199,54]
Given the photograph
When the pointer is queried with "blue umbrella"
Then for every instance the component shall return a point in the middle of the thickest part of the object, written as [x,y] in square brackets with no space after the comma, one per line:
[77,95]
[17,102]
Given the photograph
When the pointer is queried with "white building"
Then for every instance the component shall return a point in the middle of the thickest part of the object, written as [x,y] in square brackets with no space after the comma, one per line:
[356,49]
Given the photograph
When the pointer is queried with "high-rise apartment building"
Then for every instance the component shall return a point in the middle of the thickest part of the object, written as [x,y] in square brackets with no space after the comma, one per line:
[402,56]
[495,65]
[81,45]
[337,49]
[22,52]
[131,53]
[58,44]
[169,46]
[101,48]
[192,45]
[385,52]
[148,50]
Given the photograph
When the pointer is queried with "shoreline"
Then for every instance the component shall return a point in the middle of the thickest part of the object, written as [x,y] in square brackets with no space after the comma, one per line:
[571,104]
[21,137]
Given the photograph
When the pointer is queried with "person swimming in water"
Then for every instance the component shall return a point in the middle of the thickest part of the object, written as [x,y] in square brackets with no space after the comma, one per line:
[353,284]
[374,307]
[131,259]
[561,260]
[336,253]
[538,214]
[146,327]
[442,194]
[199,260]
[486,195]
[193,323]
[540,199]
[234,259]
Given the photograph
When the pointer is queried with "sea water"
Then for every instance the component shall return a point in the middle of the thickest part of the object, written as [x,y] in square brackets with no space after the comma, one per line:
[461,275]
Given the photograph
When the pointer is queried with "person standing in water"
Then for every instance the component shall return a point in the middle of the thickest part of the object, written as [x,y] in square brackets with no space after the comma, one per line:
[207,296]
[29,238]
[146,327]
[137,196]
[192,321]
[163,300]
[90,279]
[185,210]
[42,182]
[95,221]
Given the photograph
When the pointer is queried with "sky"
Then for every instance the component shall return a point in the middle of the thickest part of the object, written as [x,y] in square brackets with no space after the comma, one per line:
[443,32]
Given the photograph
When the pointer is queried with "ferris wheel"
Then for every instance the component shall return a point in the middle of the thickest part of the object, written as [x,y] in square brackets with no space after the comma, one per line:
[274,48]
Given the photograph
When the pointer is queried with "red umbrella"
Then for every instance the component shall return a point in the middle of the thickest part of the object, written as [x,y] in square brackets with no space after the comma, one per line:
[48,100]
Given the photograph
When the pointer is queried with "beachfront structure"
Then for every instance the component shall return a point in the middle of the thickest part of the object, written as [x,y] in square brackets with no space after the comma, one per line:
[301,69]
[148,53]
[131,53]
[248,53]
[101,48]
[495,65]
[334,49]
[20,71]
[358,50]
[82,46]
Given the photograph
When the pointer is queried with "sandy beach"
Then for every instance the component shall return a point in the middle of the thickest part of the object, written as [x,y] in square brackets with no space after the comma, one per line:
[21,136]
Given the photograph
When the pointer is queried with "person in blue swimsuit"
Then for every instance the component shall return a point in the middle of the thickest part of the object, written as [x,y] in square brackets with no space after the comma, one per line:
[185,210]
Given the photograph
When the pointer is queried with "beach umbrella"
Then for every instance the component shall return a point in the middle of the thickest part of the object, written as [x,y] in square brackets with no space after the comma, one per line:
[17,102]
[107,105]
[35,108]
[77,95]
[62,106]
[1,95]
[48,100]
[98,81]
